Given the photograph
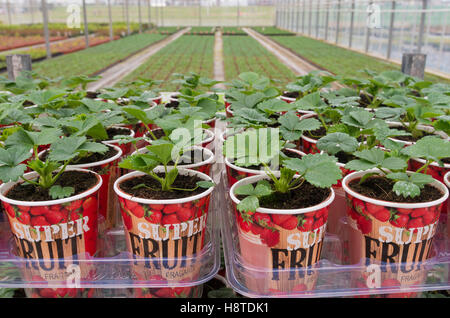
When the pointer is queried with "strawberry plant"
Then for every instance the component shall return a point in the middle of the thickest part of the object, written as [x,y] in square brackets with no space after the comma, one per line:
[393,165]
[23,145]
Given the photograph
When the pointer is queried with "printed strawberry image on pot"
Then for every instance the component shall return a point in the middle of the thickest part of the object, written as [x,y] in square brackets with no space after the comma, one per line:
[281,242]
[165,234]
[447,183]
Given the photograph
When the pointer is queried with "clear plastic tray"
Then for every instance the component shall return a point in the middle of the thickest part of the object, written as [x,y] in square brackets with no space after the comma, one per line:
[331,275]
[114,266]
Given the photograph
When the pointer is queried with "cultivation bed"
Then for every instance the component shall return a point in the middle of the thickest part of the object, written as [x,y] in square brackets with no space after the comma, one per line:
[243,53]
[187,53]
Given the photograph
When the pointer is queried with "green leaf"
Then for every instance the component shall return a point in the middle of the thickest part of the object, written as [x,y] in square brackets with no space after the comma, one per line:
[336,142]
[250,203]
[8,173]
[58,192]
[161,153]
[406,189]
[318,169]
[205,184]
[430,148]
[14,155]
[359,118]
[394,163]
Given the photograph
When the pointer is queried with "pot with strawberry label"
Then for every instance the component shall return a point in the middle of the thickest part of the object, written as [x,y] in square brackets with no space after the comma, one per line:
[51,234]
[165,235]
[409,140]
[447,183]
[391,231]
[196,158]
[281,242]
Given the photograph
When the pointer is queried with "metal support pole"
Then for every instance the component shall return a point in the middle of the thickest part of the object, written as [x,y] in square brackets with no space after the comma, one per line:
[422,25]
[338,21]
[139,16]
[111,32]
[368,35]
[127,17]
[238,13]
[303,15]
[31,11]
[149,13]
[46,31]
[16,64]
[297,27]
[310,18]
[391,30]
[317,19]
[85,22]
[199,12]
[327,15]
[414,64]
[8,10]
[352,19]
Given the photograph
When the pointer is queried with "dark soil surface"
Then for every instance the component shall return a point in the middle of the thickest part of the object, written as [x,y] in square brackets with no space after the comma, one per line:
[152,187]
[80,181]
[116,131]
[380,188]
[303,197]
[93,157]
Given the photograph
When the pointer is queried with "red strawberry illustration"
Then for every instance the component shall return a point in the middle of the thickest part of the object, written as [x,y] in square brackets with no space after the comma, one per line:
[318,223]
[306,224]
[158,207]
[418,212]
[39,220]
[256,229]
[10,210]
[24,217]
[374,208]
[382,215]
[74,205]
[365,224]
[138,211]
[428,218]
[171,208]
[54,217]
[290,223]
[154,216]
[270,237]
[279,219]
[404,211]
[400,220]
[90,205]
[127,219]
[415,223]
[169,219]
[244,225]
[39,210]
[184,214]
[262,219]
[47,293]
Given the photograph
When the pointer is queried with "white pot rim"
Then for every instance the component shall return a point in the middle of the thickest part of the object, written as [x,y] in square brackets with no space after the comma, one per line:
[254,179]
[209,153]
[434,164]
[97,163]
[447,179]
[208,132]
[114,141]
[428,129]
[7,186]
[308,139]
[134,174]
[253,171]
[437,184]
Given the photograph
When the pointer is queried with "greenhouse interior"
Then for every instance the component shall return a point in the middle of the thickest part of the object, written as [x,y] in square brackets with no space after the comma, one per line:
[234,149]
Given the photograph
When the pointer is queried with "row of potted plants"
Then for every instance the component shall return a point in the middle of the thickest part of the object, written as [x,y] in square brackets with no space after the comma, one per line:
[373,153]
[290,155]
[71,165]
